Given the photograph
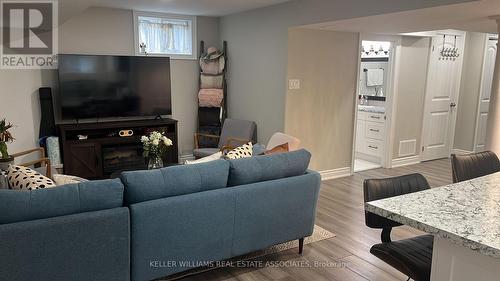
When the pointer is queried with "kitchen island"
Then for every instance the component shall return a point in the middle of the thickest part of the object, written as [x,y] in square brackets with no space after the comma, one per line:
[465,221]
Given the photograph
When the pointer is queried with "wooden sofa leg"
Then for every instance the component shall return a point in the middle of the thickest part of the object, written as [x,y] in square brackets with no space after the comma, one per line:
[301,245]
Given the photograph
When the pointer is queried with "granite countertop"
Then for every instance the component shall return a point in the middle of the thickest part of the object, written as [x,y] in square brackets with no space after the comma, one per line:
[466,213]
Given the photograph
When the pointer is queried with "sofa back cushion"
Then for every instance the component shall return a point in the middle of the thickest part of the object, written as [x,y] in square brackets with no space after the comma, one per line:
[143,186]
[16,206]
[268,167]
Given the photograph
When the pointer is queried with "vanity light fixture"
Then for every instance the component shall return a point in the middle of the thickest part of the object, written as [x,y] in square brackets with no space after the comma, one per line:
[375,49]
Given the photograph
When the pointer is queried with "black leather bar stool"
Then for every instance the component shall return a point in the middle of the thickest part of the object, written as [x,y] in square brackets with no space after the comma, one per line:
[469,166]
[413,256]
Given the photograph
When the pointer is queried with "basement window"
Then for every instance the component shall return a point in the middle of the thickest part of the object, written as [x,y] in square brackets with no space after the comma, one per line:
[165,35]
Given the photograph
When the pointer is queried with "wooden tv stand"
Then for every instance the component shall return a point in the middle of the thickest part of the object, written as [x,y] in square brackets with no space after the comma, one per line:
[102,152]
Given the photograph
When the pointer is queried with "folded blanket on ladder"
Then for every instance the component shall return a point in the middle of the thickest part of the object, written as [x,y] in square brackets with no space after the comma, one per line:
[211,81]
[210,97]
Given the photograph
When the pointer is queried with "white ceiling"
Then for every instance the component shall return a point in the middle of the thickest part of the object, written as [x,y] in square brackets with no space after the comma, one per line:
[68,8]
[471,16]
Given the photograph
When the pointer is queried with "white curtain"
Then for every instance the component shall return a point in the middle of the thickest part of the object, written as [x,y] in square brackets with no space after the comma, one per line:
[165,36]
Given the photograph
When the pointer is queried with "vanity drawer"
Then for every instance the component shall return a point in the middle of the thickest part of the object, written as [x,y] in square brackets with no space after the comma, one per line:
[374,147]
[360,135]
[375,117]
[374,130]
[362,115]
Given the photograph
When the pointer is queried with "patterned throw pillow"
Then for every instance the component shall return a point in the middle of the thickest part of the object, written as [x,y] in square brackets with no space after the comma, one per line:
[240,152]
[23,178]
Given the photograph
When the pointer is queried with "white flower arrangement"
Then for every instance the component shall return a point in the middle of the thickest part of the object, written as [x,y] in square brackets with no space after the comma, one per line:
[155,145]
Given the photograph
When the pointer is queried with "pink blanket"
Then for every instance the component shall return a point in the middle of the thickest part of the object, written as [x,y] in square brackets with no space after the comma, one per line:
[210,97]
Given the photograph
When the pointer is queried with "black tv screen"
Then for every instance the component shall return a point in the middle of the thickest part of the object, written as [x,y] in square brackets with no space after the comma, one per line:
[113,86]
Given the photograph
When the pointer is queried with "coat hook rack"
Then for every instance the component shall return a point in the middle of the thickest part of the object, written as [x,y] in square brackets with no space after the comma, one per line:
[449,53]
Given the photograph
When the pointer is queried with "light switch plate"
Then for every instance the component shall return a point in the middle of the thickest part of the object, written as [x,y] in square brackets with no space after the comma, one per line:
[293,84]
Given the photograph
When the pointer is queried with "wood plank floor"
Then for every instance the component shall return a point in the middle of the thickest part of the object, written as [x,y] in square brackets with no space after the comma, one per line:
[346,256]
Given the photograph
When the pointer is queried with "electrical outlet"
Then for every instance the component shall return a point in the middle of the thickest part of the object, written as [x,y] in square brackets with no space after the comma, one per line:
[294,84]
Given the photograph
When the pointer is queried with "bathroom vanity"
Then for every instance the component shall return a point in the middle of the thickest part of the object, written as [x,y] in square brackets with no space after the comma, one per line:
[370,133]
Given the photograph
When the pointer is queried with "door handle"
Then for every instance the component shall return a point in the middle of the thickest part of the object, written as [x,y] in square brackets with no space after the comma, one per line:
[374,117]
[373,147]
[373,130]
[452,105]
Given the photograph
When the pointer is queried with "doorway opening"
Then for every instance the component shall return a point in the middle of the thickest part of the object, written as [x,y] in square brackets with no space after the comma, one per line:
[373,104]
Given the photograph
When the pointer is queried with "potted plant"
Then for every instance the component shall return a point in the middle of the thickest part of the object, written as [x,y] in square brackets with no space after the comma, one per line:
[155,145]
[5,137]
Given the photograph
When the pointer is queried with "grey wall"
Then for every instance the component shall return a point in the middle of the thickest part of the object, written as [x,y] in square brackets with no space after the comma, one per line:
[19,104]
[258,51]
[101,31]
[411,91]
[469,91]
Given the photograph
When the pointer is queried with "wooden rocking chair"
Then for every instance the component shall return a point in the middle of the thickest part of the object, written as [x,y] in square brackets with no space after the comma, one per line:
[43,161]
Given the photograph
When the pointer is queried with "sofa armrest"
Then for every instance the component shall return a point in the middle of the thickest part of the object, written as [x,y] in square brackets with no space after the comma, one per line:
[85,246]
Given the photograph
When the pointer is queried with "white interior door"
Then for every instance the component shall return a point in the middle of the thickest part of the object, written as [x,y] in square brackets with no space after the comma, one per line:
[484,97]
[443,84]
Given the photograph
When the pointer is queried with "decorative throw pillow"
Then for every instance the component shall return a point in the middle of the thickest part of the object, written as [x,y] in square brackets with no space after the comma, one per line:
[278,149]
[258,149]
[66,179]
[213,157]
[23,178]
[240,152]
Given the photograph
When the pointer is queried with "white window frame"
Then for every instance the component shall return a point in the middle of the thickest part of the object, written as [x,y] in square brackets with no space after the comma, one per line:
[137,14]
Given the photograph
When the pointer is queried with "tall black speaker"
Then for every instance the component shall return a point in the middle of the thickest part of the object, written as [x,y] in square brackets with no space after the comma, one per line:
[47,122]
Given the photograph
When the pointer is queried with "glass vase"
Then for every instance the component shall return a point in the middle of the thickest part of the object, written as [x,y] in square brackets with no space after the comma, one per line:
[155,162]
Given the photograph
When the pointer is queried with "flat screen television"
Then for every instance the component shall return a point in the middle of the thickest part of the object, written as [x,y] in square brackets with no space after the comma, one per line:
[98,86]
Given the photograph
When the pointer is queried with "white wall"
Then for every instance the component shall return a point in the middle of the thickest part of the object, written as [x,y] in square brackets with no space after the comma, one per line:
[20,105]
[414,60]
[469,91]
[100,31]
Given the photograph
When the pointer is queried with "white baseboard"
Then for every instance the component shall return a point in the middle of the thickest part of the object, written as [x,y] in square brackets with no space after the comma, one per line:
[335,173]
[183,158]
[405,161]
[460,151]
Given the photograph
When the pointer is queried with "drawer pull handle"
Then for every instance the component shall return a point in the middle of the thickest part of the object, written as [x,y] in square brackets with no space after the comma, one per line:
[374,147]
[373,130]
[374,117]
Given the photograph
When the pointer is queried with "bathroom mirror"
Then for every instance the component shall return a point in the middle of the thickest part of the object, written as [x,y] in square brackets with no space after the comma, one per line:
[374,68]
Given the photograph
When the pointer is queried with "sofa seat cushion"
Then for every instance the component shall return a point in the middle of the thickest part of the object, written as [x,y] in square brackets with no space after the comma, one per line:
[16,206]
[143,186]
[268,167]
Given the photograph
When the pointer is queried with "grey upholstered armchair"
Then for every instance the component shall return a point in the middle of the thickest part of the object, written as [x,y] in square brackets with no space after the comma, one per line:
[234,133]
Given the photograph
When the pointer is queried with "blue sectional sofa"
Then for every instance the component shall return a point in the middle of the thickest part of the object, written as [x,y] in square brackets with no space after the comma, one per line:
[180,217]
[72,232]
